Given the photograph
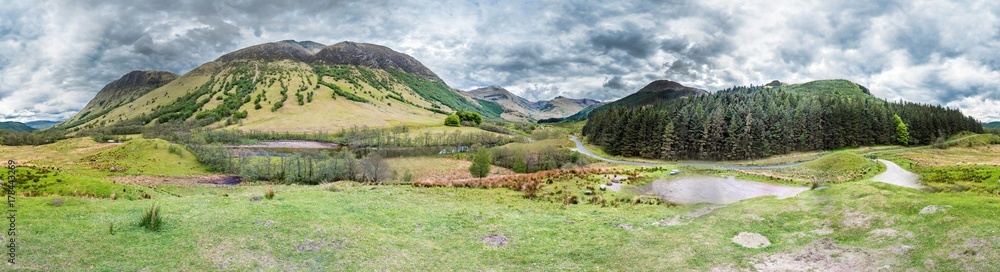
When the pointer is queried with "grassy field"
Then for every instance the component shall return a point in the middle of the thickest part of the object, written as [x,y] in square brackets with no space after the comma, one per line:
[968,165]
[862,225]
[854,225]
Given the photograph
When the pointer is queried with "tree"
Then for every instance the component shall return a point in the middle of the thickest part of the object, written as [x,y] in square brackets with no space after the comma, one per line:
[468,116]
[902,133]
[480,163]
[374,168]
[451,120]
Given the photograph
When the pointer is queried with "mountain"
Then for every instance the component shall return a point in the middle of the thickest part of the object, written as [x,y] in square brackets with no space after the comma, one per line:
[516,108]
[296,86]
[656,92]
[15,126]
[992,124]
[42,124]
[124,90]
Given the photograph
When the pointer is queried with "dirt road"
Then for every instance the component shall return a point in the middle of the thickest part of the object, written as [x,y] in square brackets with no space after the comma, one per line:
[897,176]
[582,149]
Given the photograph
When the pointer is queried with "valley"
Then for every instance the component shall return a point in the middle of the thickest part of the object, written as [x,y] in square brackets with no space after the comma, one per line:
[303,156]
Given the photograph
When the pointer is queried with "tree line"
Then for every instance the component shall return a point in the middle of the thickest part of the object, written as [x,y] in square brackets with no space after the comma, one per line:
[755,122]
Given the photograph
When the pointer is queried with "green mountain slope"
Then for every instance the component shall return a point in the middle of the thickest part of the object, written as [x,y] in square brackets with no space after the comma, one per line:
[15,126]
[122,91]
[295,86]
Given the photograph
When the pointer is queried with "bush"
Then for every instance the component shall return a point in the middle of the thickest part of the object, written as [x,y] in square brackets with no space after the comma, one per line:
[407,176]
[451,120]
[480,163]
[269,194]
[471,117]
[174,149]
[152,219]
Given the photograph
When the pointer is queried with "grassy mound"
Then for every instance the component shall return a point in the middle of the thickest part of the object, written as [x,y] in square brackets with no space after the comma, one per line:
[146,157]
[833,167]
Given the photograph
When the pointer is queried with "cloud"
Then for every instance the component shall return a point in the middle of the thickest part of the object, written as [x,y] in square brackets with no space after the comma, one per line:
[55,56]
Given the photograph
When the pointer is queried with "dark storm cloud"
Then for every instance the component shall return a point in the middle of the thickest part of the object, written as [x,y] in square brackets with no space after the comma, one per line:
[615,83]
[637,43]
[54,56]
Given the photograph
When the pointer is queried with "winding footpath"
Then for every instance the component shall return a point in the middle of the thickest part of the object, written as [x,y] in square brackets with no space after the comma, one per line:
[582,149]
[894,174]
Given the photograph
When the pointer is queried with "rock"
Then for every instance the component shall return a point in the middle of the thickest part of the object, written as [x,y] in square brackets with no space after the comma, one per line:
[588,192]
[932,209]
[254,198]
[609,183]
[751,240]
[604,187]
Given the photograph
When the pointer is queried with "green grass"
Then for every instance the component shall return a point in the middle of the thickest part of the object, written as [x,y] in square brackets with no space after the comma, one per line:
[408,228]
[34,181]
[833,167]
[153,157]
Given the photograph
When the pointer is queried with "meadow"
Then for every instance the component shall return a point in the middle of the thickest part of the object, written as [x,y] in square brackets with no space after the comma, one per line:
[851,224]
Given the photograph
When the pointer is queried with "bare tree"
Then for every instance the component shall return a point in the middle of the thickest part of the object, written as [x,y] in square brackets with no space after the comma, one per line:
[374,168]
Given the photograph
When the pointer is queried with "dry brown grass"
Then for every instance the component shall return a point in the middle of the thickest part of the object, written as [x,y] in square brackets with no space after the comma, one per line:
[528,183]
[980,155]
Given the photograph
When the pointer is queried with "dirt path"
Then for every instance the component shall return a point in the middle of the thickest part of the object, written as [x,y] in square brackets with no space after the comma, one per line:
[693,190]
[582,149]
[897,176]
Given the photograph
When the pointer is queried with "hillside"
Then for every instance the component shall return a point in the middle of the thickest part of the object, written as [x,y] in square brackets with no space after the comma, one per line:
[15,126]
[992,124]
[122,91]
[658,91]
[516,108]
[758,121]
[291,86]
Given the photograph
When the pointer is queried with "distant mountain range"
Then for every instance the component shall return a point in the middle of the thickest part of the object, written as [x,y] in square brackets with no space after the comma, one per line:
[517,108]
[992,124]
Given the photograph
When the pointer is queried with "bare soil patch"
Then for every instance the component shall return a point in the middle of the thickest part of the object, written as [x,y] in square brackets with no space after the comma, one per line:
[824,255]
[932,209]
[751,240]
[494,240]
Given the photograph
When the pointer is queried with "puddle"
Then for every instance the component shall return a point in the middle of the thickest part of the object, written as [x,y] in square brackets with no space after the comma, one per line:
[693,190]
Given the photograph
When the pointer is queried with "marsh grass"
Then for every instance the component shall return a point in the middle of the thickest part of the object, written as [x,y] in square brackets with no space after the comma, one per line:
[269,194]
[152,220]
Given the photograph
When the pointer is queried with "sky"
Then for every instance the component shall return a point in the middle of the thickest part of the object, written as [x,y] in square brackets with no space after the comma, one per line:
[56,55]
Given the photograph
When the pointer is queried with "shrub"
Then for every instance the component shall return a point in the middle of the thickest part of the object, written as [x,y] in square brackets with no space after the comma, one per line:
[152,219]
[407,176]
[174,149]
[451,120]
[269,194]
